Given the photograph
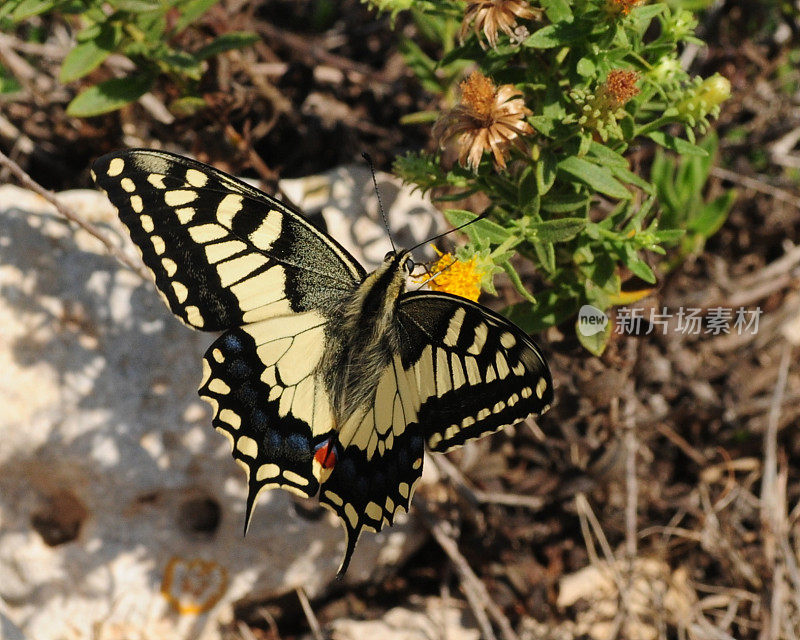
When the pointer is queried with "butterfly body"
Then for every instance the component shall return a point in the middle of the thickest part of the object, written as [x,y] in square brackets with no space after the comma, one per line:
[363,335]
[326,380]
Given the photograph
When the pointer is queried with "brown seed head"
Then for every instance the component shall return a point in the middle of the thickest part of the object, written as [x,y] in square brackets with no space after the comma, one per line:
[620,85]
[621,7]
[478,95]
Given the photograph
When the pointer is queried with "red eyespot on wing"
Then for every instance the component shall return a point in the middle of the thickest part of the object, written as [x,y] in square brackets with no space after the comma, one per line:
[325,454]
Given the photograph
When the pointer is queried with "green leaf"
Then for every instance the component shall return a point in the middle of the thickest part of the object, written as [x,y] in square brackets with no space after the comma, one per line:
[135,6]
[557,10]
[29,8]
[8,83]
[638,266]
[89,55]
[648,12]
[469,51]
[595,343]
[153,25]
[546,253]
[527,188]
[187,106]
[565,203]
[713,215]
[679,145]
[607,157]
[552,309]
[559,230]
[634,179]
[517,281]
[8,8]
[586,67]
[546,169]
[226,42]
[180,62]
[669,236]
[191,11]
[543,124]
[598,178]
[485,229]
[555,35]
[602,270]
[110,95]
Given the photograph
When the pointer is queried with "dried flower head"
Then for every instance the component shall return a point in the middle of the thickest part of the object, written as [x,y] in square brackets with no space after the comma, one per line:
[621,7]
[489,118]
[601,110]
[620,86]
[451,275]
[490,15]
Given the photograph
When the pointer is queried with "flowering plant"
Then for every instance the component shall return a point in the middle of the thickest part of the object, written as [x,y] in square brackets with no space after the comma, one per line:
[542,104]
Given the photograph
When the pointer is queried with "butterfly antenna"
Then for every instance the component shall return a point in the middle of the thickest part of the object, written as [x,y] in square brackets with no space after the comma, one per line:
[461,226]
[368,159]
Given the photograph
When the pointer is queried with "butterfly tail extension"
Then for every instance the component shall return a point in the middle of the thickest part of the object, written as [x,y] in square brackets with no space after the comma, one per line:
[351,539]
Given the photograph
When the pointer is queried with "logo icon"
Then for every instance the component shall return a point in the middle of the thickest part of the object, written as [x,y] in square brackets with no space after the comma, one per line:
[591,320]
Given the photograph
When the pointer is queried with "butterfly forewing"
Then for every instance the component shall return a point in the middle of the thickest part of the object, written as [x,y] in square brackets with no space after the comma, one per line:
[476,372]
[223,253]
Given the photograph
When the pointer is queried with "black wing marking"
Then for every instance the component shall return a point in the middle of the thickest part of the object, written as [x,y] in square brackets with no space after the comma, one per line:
[260,381]
[476,372]
[379,461]
[223,253]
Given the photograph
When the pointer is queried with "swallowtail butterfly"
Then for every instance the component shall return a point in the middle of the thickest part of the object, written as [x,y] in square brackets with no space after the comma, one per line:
[326,379]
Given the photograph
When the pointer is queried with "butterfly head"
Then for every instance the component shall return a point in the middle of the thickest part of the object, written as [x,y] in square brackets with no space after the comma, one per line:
[401,260]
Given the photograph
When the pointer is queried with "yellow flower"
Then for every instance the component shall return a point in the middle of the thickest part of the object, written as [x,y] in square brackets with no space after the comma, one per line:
[454,276]
[491,15]
[489,118]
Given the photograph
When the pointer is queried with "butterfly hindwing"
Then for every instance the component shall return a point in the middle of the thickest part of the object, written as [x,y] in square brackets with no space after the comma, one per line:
[380,461]
[476,372]
[260,380]
[223,253]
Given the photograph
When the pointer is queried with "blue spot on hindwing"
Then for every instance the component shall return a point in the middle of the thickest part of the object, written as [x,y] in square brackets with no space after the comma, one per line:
[232,342]
[298,447]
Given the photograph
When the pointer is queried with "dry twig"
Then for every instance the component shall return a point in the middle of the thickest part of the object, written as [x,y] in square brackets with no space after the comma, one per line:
[477,496]
[475,591]
[756,185]
[316,630]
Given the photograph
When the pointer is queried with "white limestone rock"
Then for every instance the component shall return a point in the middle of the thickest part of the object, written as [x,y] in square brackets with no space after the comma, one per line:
[432,618]
[113,486]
